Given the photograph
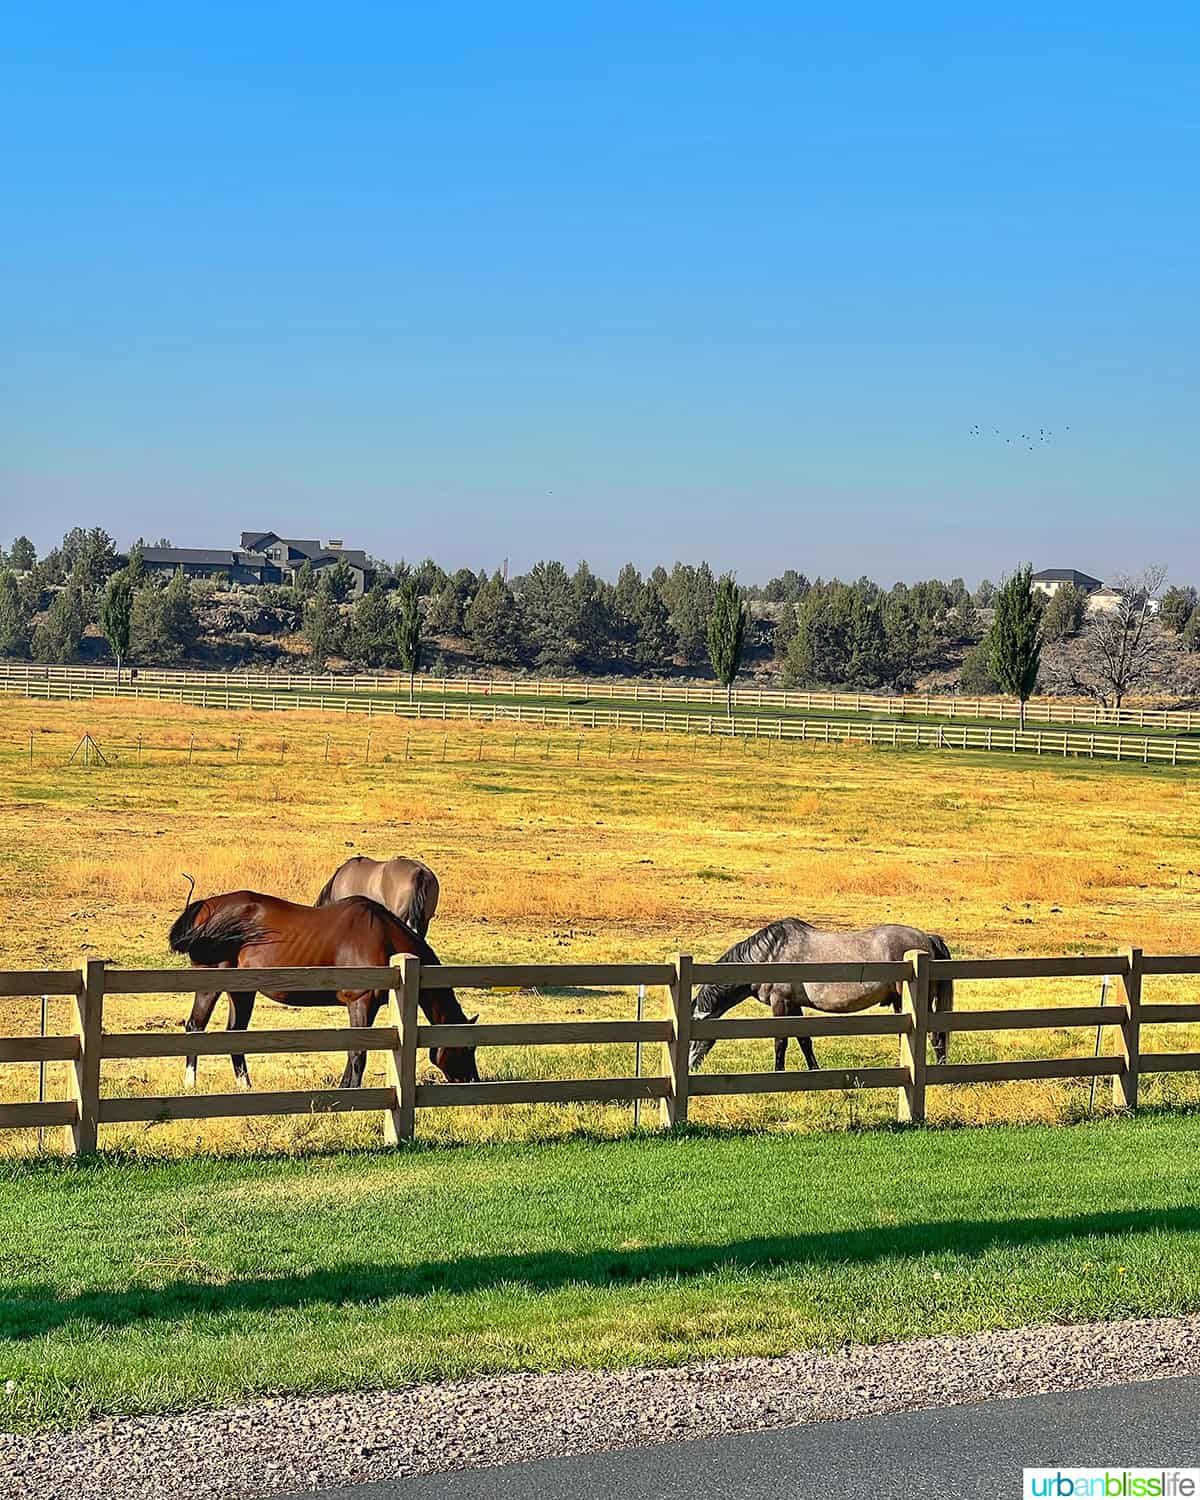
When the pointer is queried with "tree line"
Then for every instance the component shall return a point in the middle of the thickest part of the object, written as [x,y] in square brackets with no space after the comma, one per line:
[819,633]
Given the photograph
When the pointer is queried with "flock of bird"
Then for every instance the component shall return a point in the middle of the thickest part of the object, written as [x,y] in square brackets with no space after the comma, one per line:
[1030,439]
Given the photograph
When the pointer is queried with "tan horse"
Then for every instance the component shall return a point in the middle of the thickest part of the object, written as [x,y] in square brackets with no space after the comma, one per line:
[405,887]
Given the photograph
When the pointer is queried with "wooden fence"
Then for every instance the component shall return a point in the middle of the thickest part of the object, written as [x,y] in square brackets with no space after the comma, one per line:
[87,1045]
[15,676]
[1149,749]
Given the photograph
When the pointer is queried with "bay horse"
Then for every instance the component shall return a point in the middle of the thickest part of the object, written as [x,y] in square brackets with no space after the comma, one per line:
[242,929]
[405,887]
[792,941]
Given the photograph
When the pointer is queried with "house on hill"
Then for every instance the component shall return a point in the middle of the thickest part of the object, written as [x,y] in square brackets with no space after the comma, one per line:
[1050,580]
[289,554]
[263,557]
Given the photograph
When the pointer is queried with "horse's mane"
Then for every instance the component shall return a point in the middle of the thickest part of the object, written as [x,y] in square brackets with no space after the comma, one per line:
[423,951]
[761,947]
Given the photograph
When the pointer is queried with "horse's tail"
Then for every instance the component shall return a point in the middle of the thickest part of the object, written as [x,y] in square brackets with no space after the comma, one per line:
[423,902]
[942,997]
[326,895]
[210,936]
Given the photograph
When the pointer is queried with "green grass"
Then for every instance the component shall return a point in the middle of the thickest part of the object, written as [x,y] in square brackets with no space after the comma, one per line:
[138,1287]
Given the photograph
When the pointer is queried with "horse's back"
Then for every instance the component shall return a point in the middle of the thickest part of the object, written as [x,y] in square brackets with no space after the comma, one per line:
[405,887]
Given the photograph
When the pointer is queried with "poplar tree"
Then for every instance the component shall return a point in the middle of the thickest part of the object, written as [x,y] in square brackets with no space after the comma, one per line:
[1015,651]
[727,624]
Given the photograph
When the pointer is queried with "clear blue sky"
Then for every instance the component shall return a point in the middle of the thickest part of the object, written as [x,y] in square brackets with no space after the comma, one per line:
[608,280]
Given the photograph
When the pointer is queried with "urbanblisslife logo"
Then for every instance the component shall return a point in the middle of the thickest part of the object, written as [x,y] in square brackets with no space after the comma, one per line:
[1112,1484]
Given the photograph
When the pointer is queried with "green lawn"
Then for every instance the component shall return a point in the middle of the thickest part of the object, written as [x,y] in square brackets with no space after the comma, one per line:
[135,1287]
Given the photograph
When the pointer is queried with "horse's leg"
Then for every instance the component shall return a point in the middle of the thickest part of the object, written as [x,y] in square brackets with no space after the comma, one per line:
[359,1012]
[781,1005]
[202,1009]
[241,1008]
[806,1046]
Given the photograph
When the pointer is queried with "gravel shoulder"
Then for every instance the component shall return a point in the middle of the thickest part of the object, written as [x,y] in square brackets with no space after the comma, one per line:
[292,1443]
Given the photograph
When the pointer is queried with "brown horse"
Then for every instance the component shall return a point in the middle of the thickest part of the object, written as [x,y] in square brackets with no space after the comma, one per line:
[405,887]
[242,930]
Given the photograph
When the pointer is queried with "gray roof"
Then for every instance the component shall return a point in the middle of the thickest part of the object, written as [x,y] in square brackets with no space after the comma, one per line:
[1067,575]
[177,556]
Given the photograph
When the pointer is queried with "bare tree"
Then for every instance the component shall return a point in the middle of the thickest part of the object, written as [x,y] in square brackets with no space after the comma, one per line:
[1120,645]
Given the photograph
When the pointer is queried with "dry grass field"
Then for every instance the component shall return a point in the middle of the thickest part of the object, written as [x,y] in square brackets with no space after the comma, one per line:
[579,848]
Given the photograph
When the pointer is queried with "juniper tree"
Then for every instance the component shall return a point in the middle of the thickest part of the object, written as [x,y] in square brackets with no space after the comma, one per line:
[409,625]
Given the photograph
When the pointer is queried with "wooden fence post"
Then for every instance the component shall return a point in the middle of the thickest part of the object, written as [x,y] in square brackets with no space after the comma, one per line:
[1129,1042]
[673,1109]
[399,1124]
[85,1074]
[910,1097]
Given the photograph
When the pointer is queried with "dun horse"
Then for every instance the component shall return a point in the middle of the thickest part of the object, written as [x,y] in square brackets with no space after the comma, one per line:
[405,887]
[242,929]
[791,941]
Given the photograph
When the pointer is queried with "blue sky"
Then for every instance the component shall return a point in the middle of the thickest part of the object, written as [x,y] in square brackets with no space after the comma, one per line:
[608,280]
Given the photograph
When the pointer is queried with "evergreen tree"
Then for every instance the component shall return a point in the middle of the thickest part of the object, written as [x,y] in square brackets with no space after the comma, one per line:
[626,598]
[1015,652]
[1174,612]
[116,613]
[57,637]
[727,626]
[304,581]
[976,674]
[429,577]
[322,625]
[163,628]
[690,594]
[867,659]
[985,594]
[1064,614]
[372,629]
[549,614]
[14,620]
[654,641]
[448,614]
[135,568]
[819,652]
[409,625]
[493,622]
[963,623]
[789,588]
[341,581]
[900,625]
[23,555]
[592,625]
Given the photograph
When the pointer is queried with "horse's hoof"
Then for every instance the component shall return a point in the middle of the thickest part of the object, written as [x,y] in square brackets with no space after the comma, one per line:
[243,1085]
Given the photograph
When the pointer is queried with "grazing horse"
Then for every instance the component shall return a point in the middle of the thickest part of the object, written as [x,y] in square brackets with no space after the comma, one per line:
[405,887]
[791,941]
[243,930]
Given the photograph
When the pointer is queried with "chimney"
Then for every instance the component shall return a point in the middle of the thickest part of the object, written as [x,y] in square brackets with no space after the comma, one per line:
[334,544]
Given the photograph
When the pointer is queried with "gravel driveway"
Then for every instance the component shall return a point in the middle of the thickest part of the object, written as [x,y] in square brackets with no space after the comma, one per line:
[290,1443]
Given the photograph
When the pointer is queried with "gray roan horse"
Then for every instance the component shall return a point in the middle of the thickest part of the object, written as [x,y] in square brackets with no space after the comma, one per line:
[405,887]
[791,941]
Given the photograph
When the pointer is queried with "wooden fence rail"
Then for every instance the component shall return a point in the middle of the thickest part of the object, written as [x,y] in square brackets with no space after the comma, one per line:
[86,1046]
[1146,749]
[14,676]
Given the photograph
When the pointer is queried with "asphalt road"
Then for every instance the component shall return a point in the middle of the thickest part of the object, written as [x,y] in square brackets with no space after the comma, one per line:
[955,1453]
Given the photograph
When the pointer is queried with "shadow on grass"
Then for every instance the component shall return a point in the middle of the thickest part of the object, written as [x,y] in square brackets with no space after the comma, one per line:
[32,1310]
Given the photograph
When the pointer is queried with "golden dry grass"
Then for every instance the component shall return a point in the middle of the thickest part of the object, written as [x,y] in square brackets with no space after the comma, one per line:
[578,848]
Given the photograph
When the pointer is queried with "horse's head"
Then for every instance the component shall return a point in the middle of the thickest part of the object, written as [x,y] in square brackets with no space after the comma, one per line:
[456,1063]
